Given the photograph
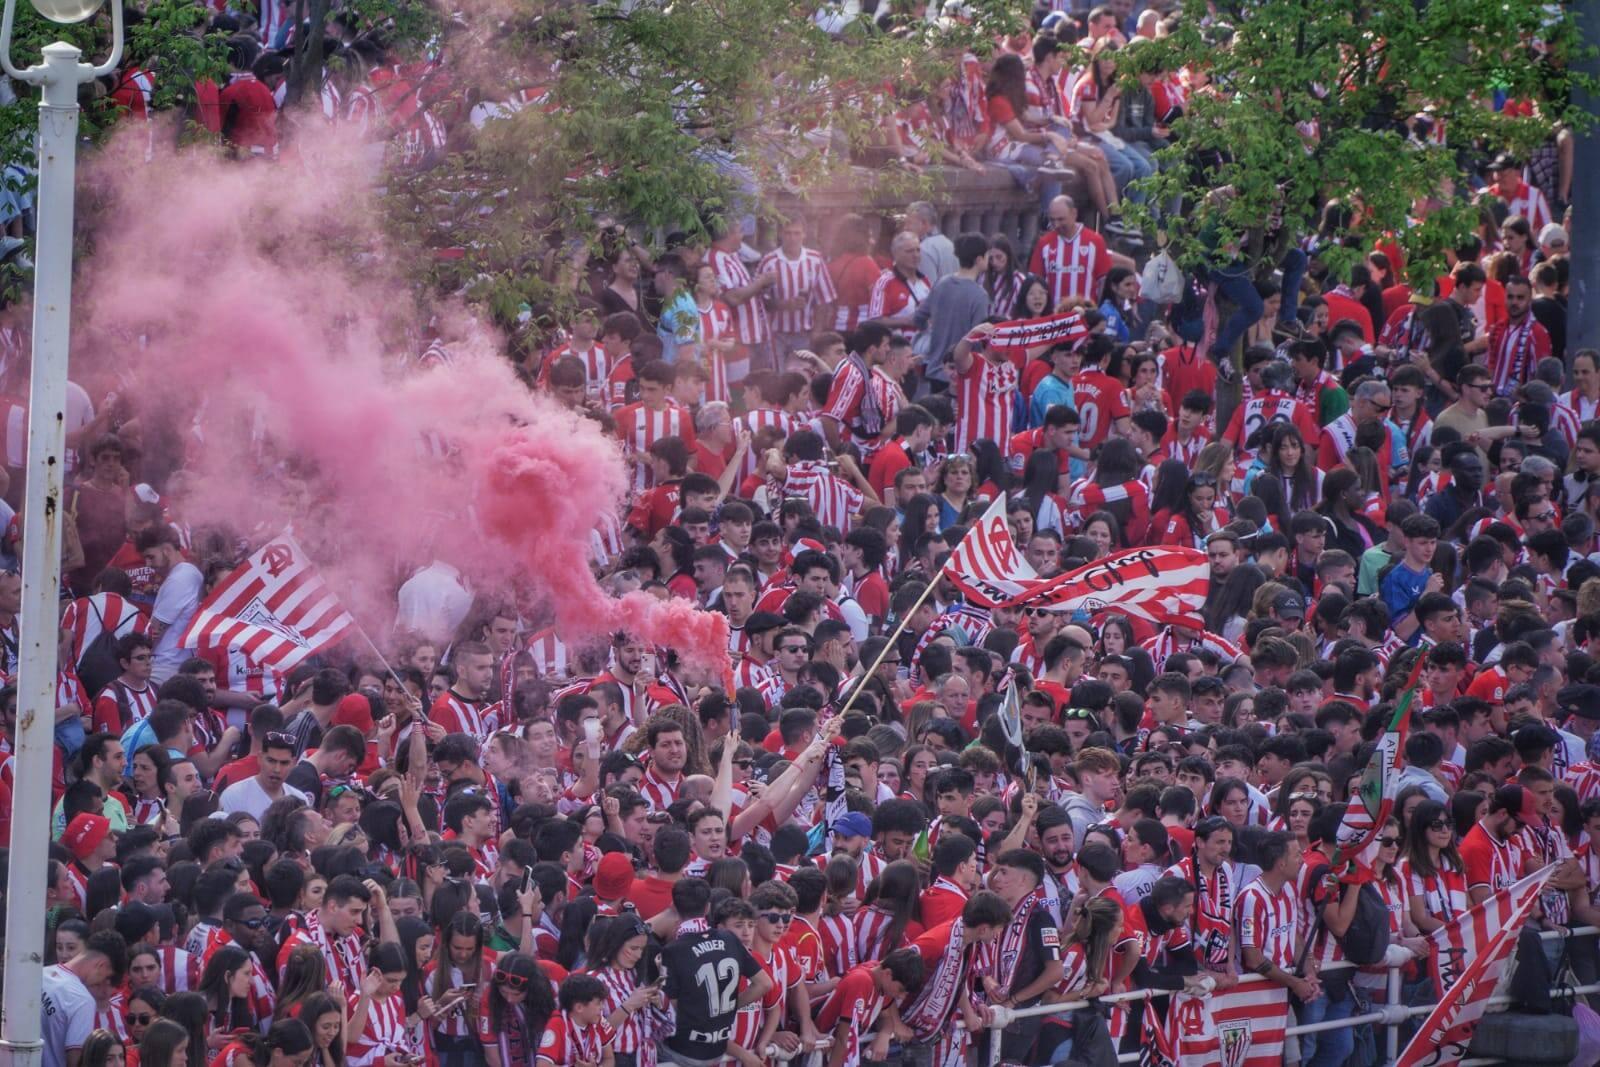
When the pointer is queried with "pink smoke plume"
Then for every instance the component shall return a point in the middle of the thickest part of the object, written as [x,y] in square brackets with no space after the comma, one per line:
[254,309]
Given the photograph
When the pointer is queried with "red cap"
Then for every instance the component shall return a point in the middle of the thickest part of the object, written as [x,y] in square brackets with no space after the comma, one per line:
[84,834]
[614,877]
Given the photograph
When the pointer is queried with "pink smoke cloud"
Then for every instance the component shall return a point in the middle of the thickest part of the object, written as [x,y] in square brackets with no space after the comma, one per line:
[278,337]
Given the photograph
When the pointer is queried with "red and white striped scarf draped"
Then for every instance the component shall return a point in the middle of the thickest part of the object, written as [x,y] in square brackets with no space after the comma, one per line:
[1015,936]
[928,1012]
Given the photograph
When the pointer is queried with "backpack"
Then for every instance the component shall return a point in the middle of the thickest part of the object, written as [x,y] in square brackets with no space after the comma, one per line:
[98,667]
[1366,942]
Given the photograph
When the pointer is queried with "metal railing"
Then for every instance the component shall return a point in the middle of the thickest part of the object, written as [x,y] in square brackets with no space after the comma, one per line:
[1391,1015]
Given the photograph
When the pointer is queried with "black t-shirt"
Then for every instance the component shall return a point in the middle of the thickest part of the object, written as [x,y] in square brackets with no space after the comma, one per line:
[305,778]
[1041,945]
[702,973]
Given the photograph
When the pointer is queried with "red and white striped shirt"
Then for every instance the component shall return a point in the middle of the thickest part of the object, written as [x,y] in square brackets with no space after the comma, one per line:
[658,793]
[1267,921]
[1444,893]
[180,970]
[833,500]
[109,1016]
[386,1031]
[1166,643]
[341,954]
[750,316]
[716,324]
[109,705]
[457,1024]
[985,394]
[1586,410]
[1514,350]
[565,1043]
[1071,268]
[838,944]
[1526,200]
[894,296]
[549,653]
[805,279]
[458,715]
[596,365]
[640,427]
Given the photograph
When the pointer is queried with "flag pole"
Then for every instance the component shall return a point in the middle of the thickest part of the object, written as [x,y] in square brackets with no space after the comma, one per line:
[893,637]
[362,630]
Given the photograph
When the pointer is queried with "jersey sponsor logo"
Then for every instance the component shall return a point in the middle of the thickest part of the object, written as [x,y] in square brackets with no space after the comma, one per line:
[1051,937]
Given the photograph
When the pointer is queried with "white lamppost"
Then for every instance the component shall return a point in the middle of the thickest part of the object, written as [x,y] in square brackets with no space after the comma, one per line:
[58,78]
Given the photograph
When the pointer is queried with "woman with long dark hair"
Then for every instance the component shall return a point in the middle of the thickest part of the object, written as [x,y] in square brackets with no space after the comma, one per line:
[1002,278]
[459,973]
[616,952]
[225,983]
[1229,610]
[189,1012]
[887,919]
[674,550]
[305,973]
[1041,482]
[377,1026]
[1286,460]
[1196,519]
[1116,488]
[102,1048]
[325,1018]
[520,1002]
[166,1044]
[1433,867]
[419,943]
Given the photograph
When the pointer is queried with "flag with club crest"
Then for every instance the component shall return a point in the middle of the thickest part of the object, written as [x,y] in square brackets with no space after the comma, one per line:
[1373,803]
[1469,963]
[1163,585]
[986,565]
[274,608]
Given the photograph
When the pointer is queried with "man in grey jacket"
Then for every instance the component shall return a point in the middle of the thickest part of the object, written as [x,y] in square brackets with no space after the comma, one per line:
[957,303]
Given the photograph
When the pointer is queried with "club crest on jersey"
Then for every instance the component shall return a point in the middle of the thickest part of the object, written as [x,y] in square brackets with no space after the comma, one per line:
[548,1040]
[1235,1039]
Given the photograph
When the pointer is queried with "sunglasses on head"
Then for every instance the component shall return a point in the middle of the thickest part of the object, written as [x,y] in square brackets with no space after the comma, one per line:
[510,981]
[1203,481]
[1077,713]
[279,737]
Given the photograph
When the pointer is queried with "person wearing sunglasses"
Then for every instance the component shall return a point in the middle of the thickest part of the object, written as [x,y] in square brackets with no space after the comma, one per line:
[518,1005]
[1433,868]
[1394,887]
[788,1023]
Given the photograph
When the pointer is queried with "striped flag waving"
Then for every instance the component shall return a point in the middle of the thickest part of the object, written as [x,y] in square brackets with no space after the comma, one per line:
[274,608]
[1164,585]
[986,564]
[1470,954]
[1370,808]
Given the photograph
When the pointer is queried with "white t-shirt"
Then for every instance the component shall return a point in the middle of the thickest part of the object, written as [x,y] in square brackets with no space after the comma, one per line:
[67,1013]
[433,602]
[249,796]
[175,606]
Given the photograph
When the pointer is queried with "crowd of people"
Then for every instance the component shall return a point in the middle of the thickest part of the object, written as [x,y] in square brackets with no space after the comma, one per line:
[498,845]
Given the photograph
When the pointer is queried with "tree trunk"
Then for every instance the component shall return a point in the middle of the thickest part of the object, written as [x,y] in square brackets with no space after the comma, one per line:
[1583,315]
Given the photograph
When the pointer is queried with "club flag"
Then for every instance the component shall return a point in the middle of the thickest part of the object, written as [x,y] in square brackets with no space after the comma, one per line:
[1243,1027]
[986,565]
[1370,808]
[1019,335]
[273,608]
[1479,942]
[1163,585]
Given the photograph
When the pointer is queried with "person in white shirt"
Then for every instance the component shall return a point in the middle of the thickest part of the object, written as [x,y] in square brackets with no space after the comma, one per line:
[1147,849]
[176,601]
[67,998]
[255,794]
[434,602]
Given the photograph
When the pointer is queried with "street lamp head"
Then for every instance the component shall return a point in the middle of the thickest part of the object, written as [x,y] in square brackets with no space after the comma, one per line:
[66,11]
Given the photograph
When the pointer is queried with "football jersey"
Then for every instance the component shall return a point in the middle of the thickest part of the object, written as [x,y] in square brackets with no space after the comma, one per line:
[701,974]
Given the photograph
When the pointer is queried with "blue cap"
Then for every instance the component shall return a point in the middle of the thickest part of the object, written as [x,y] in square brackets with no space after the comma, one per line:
[853,824]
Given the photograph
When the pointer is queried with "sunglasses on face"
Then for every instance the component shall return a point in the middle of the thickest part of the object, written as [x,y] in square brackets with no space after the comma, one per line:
[658,818]
[777,918]
[744,764]
[1389,842]
[252,924]
[1440,824]
[140,1018]
[793,648]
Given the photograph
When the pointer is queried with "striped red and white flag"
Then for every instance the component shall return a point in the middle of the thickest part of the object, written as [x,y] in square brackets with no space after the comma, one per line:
[1244,1027]
[986,564]
[1164,585]
[274,607]
[1023,334]
[1469,959]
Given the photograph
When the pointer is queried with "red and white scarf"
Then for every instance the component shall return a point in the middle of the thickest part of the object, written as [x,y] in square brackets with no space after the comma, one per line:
[1015,937]
[928,1013]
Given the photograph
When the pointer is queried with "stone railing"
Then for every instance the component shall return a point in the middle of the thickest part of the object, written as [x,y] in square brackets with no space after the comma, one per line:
[989,203]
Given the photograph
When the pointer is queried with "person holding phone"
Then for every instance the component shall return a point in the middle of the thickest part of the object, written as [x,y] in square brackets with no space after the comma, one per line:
[456,980]
[517,1008]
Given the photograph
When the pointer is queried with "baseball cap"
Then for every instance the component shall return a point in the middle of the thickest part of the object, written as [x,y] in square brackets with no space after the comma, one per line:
[614,877]
[354,710]
[1582,700]
[853,824]
[84,833]
[761,621]
[1289,604]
